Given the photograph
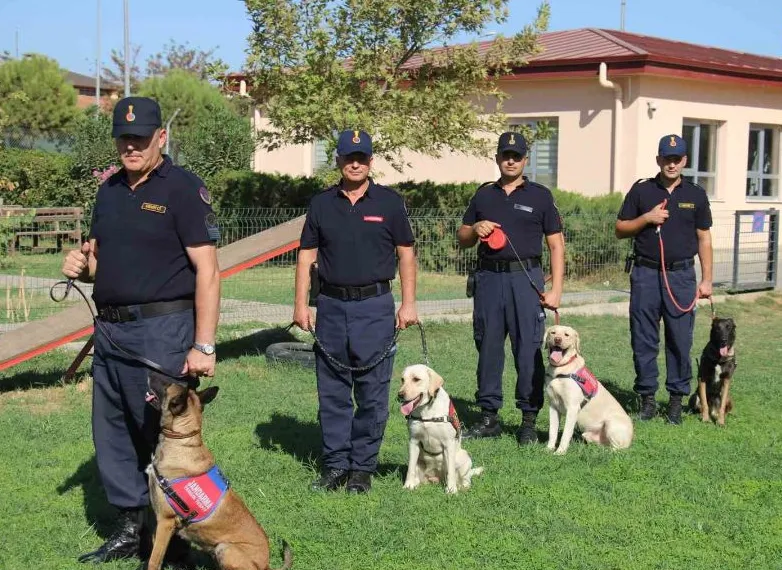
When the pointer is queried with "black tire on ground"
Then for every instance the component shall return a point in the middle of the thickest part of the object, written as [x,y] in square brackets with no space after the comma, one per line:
[300,353]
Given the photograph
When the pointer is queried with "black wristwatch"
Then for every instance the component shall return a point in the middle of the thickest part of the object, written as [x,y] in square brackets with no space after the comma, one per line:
[208,349]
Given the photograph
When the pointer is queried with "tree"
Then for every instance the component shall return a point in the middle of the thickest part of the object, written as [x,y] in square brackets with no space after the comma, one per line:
[200,63]
[35,98]
[116,73]
[221,140]
[318,66]
[182,90]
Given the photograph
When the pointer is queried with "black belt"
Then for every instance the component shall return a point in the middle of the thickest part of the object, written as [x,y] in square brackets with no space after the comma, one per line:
[502,265]
[357,292]
[123,314]
[669,265]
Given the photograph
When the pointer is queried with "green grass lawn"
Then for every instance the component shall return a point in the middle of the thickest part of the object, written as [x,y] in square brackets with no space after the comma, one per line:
[694,496]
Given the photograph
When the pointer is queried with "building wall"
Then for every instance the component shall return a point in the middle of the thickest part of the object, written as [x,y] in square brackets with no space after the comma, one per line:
[584,111]
[732,106]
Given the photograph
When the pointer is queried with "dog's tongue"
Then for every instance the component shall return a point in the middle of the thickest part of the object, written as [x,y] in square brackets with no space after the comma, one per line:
[150,397]
[555,355]
[408,407]
[723,351]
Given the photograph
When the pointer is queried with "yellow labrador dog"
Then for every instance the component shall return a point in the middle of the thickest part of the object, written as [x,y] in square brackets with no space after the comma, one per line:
[574,391]
[435,445]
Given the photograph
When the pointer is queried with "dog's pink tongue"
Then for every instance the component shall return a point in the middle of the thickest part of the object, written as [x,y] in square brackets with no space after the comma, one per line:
[556,356]
[407,407]
[723,351]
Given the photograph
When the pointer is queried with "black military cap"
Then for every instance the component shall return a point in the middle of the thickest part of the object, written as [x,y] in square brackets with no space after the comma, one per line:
[138,116]
[513,142]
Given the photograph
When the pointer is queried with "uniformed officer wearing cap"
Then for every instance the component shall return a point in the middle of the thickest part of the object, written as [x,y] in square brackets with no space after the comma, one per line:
[506,302]
[355,230]
[151,255]
[680,211]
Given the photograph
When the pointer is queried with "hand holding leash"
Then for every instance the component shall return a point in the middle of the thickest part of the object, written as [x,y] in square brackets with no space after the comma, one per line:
[658,214]
[76,263]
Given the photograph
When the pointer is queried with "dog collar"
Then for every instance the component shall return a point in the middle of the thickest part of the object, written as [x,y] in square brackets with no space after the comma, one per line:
[452,418]
[194,499]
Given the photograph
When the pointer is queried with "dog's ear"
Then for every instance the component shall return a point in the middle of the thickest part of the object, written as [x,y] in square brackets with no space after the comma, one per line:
[206,396]
[545,335]
[578,341]
[435,382]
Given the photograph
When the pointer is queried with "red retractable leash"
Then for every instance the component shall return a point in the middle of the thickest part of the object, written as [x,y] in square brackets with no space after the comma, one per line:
[665,276]
[498,239]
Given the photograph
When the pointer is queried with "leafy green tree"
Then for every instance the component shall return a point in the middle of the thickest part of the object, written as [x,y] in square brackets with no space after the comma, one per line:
[221,140]
[93,149]
[319,66]
[35,98]
[179,89]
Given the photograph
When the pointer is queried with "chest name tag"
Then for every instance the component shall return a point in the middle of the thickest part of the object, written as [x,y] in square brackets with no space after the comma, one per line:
[522,207]
[150,207]
[374,219]
[687,205]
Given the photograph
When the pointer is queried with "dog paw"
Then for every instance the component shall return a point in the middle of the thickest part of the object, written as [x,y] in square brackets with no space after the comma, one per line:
[721,422]
[560,451]
[705,419]
[451,490]
[411,485]
[551,447]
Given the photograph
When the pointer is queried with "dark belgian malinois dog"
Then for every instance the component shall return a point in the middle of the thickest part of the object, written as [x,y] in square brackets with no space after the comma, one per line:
[188,492]
[715,373]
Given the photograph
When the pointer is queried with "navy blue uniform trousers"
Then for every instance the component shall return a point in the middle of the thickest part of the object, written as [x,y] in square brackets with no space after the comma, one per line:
[507,304]
[355,333]
[649,302]
[124,426]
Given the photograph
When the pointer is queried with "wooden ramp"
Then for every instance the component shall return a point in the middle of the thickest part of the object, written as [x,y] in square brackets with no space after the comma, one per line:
[75,322]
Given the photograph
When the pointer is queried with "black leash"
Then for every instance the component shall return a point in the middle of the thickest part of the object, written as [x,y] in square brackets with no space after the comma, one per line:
[70,284]
[383,355]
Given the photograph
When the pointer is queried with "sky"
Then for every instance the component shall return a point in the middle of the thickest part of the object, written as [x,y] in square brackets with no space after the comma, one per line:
[68,31]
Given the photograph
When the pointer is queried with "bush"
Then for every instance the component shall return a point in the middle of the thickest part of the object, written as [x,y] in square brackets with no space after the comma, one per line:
[39,179]
[222,140]
[245,189]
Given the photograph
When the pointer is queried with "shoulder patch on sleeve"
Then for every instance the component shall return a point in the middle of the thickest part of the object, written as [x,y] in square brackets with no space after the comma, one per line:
[212,227]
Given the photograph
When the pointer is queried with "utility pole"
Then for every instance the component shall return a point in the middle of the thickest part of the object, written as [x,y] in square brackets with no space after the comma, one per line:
[127,52]
[16,43]
[622,19]
[97,63]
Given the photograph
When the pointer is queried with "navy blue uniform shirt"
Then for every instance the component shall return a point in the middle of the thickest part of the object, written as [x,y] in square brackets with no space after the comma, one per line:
[142,235]
[525,215]
[688,208]
[357,243]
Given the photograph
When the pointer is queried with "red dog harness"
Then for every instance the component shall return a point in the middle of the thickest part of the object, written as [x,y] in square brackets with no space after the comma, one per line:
[194,499]
[585,380]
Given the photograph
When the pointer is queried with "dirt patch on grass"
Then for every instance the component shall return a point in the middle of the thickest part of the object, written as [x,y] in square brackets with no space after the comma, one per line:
[44,401]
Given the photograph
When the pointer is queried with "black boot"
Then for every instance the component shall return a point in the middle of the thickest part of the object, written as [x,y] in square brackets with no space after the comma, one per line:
[124,542]
[526,433]
[359,482]
[489,426]
[331,480]
[648,407]
[675,410]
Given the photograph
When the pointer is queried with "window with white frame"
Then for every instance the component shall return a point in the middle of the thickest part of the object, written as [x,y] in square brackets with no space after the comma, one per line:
[542,164]
[701,139]
[763,163]
[319,156]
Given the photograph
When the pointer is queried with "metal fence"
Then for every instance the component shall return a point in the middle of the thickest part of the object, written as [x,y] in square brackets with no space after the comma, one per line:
[57,141]
[745,256]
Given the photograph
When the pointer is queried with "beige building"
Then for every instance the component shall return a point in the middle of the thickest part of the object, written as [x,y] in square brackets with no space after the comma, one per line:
[610,96]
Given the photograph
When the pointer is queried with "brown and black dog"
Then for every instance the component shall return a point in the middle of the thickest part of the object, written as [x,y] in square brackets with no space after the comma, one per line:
[715,372]
[189,494]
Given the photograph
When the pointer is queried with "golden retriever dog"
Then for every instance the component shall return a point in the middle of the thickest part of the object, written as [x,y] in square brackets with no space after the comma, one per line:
[189,495]
[435,443]
[574,391]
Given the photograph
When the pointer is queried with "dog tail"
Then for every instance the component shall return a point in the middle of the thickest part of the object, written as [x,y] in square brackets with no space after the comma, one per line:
[475,471]
[287,556]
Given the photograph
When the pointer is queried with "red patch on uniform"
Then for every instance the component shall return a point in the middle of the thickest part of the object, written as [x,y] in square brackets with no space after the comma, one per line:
[373,218]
